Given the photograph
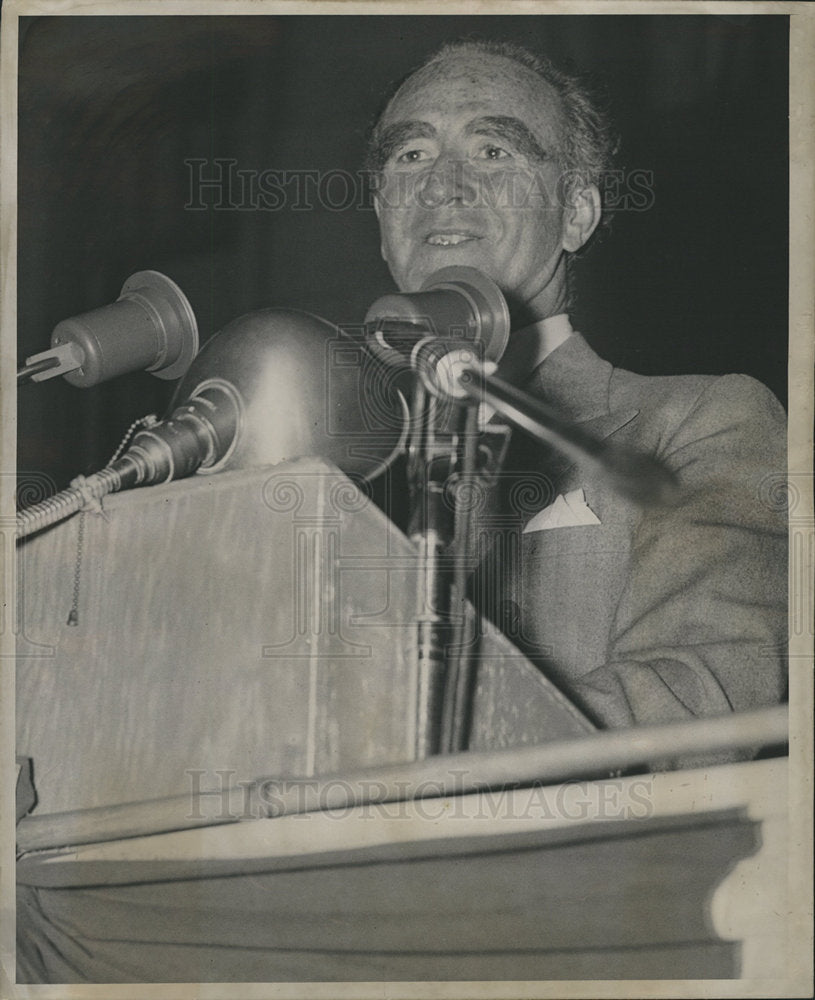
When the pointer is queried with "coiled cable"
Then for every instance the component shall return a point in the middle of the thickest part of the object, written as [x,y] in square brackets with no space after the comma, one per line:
[196,433]
[82,492]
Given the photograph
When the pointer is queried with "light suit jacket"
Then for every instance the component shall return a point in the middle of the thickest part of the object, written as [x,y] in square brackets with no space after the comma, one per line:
[655,614]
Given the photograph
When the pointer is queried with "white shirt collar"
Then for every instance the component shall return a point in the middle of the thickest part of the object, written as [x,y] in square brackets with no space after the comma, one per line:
[530,345]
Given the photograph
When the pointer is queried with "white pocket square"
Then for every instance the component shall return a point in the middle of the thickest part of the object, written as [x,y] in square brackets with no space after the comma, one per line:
[568,511]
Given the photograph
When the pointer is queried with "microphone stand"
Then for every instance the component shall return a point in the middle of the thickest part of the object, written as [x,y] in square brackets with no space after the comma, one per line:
[441,457]
[444,461]
[431,459]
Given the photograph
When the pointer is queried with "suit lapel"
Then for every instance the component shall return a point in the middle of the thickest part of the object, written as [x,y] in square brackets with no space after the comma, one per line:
[575,382]
[536,586]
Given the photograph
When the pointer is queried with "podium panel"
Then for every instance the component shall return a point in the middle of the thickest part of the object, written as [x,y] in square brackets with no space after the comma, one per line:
[671,876]
[231,626]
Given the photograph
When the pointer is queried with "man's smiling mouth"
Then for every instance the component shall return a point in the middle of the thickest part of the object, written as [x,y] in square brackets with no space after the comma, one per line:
[451,239]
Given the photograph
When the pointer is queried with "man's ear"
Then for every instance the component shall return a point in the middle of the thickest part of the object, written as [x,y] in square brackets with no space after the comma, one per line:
[378,210]
[581,217]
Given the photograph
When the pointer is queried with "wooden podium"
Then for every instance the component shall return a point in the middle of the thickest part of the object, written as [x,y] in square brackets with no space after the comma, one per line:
[230,626]
[262,623]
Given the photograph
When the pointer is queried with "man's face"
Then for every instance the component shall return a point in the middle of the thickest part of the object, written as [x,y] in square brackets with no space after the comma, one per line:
[471,163]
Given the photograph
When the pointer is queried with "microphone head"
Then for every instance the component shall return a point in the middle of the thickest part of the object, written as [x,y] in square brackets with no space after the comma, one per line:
[151,327]
[459,304]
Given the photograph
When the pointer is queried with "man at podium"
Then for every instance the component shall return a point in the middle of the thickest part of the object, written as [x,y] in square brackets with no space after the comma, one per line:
[490,157]
[217,652]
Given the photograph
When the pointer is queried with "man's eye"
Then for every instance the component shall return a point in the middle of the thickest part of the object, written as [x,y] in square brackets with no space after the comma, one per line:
[493,153]
[412,156]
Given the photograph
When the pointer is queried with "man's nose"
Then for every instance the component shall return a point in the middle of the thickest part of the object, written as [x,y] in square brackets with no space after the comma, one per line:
[449,179]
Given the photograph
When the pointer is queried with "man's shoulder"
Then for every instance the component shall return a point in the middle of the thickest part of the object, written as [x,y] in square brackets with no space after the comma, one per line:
[678,398]
[582,385]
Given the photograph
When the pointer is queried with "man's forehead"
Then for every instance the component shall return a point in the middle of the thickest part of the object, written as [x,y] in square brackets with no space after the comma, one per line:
[466,82]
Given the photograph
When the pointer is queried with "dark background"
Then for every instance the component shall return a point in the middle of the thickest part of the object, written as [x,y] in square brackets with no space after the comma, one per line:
[111,107]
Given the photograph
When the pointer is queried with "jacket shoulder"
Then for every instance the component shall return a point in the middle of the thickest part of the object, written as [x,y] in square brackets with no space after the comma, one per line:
[677,399]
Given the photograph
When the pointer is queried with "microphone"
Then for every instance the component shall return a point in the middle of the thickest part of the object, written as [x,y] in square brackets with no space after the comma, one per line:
[151,327]
[459,305]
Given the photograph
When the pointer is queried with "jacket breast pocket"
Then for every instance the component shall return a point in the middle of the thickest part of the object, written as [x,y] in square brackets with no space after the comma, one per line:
[567,588]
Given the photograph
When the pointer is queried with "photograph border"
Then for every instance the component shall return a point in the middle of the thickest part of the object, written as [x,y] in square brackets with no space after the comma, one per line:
[801,355]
